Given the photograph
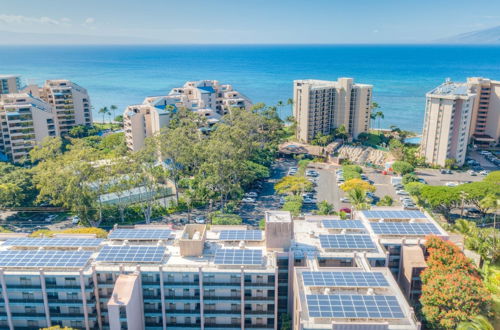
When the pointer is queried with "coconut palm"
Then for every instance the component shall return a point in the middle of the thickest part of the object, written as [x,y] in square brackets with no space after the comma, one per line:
[290,103]
[478,322]
[373,106]
[104,111]
[280,105]
[380,115]
[113,108]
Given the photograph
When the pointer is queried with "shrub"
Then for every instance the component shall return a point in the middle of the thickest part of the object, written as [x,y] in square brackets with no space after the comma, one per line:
[402,168]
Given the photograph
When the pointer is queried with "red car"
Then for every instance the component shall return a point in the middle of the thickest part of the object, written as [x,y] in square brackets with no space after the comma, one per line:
[345,210]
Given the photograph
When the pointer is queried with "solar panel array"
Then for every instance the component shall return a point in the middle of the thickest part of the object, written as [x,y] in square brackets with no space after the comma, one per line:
[343,224]
[126,253]
[354,306]
[240,235]
[345,279]
[140,234]
[402,228]
[392,214]
[44,258]
[238,257]
[53,242]
[357,242]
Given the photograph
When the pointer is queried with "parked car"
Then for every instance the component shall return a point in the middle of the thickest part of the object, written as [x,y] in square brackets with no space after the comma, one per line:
[310,200]
[75,220]
[248,200]
[200,219]
[51,218]
[345,200]
[252,194]
[402,192]
[345,210]
[451,184]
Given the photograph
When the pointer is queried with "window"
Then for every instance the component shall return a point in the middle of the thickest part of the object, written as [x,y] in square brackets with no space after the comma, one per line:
[74,310]
[28,295]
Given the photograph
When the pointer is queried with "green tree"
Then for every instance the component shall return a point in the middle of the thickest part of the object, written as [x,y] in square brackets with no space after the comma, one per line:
[11,195]
[397,149]
[478,322]
[409,177]
[357,184]
[386,201]
[450,163]
[50,148]
[293,204]
[402,167]
[441,199]
[325,208]
[112,111]
[219,218]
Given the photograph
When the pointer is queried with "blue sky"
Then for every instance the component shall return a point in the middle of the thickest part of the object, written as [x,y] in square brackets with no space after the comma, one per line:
[254,21]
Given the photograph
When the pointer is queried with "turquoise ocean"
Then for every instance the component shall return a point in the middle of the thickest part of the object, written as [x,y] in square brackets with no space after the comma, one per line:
[124,75]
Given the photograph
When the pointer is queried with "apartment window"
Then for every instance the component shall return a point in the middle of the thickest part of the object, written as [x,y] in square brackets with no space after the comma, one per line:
[28,295]
[25,281]
[72,296]
[74,310]
[32,324]
[76,324]
[70,281]
[30,310]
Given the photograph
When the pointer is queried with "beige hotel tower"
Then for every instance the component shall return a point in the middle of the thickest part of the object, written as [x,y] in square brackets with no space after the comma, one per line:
[321,106]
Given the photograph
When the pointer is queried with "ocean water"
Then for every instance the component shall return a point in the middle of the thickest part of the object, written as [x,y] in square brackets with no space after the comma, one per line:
[124,75]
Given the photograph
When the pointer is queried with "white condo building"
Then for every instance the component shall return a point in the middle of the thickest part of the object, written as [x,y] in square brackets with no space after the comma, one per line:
[206,97]
[321,106]
[24,121]
[325,273]
[447,123]
[71,103]
[10,84]
[31,113]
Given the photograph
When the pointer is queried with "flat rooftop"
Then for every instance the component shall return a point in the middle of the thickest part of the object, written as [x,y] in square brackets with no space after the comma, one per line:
[450,88]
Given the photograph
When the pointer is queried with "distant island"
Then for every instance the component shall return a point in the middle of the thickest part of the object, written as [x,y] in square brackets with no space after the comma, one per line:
[489,36]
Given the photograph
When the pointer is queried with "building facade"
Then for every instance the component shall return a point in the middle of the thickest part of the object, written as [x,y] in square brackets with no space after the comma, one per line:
[10,84]
[230,277]
[485,123]
[70,102]
[321,106]
[447,121]
[208,98]
[24,121]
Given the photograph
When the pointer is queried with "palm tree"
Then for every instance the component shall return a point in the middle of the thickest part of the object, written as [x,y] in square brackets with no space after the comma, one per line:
[380,115]
[280,105]
[113,109]
[342,132]
[478,322]
[290,103]
[104,111]
[373,106]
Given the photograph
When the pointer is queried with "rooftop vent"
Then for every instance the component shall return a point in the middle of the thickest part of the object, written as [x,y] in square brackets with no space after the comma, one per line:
[242,245]
[370,292]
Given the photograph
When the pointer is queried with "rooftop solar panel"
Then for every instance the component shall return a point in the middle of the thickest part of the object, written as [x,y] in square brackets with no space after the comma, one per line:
[393,214]
[139,234]
[354,306]
[343,224]
[53,242]
[126,253]
[345,279]
[404,228]
[238,257]
[240,235]
[356,242]
[44,258]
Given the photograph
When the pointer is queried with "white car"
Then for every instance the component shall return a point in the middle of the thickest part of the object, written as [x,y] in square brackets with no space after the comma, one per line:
[402,193]
[310,201]
[451,184]
[200,220]
[75,220]
[485,172]
[251,194]
[248,200]
[345,200]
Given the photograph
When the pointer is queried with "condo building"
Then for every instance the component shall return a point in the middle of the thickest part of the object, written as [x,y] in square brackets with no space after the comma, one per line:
[70,102]
[10,84]
[24,121]
[485,123]
[208,98]
[447,121]
[326,273]
[321,106]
